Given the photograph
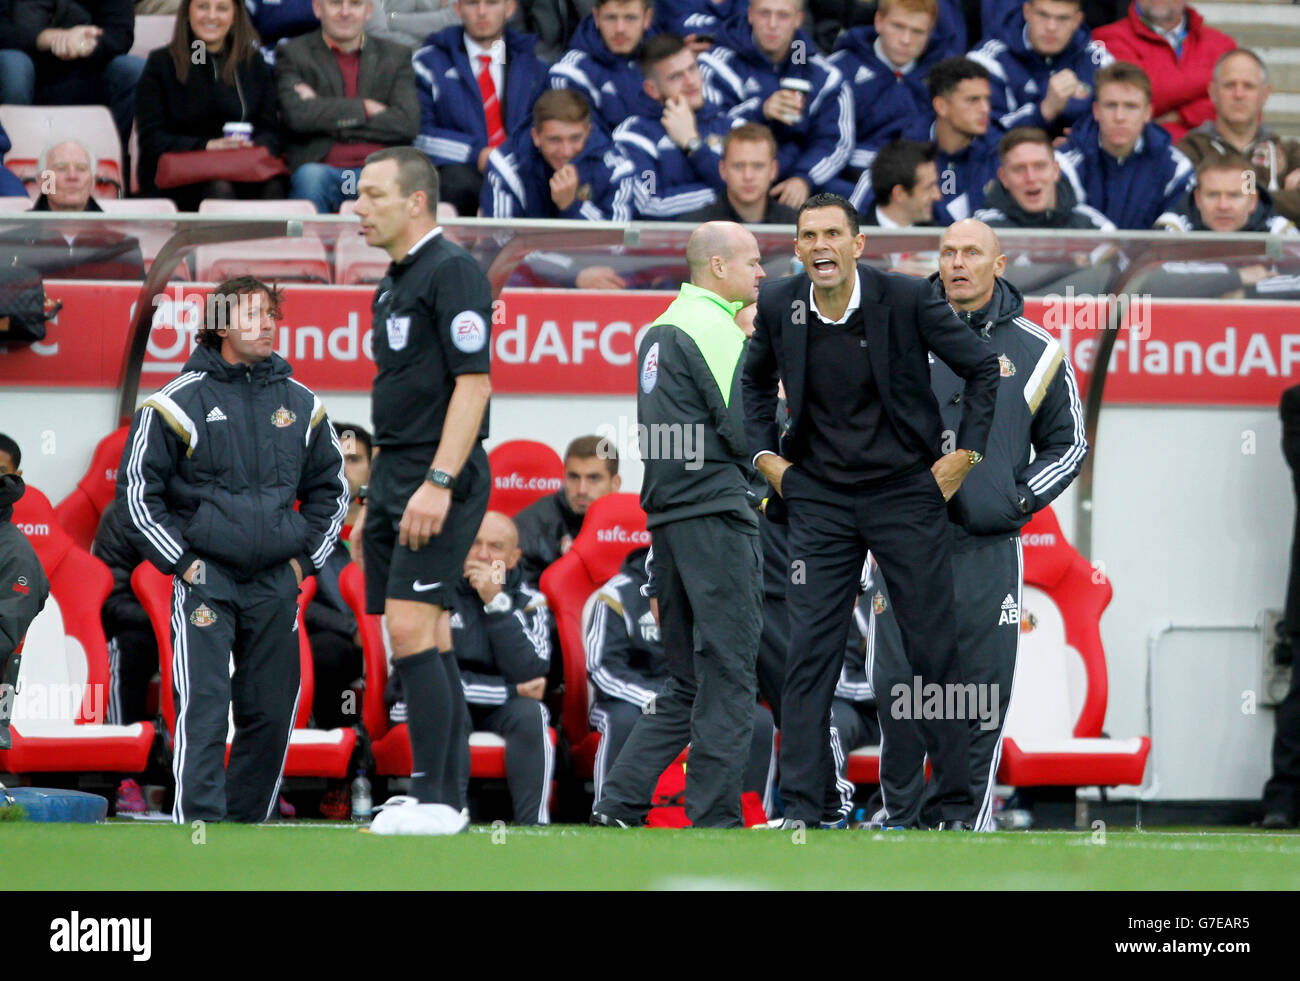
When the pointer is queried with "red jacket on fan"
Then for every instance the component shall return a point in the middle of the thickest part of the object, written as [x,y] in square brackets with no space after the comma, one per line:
[1179,83]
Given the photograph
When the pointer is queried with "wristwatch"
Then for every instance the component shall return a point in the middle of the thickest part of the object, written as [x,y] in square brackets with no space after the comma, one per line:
[693,144]
[439,478]
[362,493]
[1024,505]
[975,456]
[500,604]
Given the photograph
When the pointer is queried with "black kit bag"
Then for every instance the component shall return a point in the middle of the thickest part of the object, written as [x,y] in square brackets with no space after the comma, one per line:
[23,306]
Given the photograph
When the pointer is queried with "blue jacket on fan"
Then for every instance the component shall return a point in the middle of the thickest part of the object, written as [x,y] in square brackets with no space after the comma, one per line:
[611,83]
[885,106]
[1020,75]
[453,129]
[1133,192]
[279,19]
[517,182]
[963,177]
[684,17]
[738,79]
[669,182]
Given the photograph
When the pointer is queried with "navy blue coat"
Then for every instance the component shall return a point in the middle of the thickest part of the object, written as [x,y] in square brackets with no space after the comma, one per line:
[1020,75]
[610,82]
[885,107]
[1133,192]
[517,182]
[453,129]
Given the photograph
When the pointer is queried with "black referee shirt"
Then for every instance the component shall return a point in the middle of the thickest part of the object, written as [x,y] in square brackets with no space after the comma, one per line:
[432,318]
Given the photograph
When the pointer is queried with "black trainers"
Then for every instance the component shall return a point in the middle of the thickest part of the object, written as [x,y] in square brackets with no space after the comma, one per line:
[953,826]
[602,820]
[1276,821]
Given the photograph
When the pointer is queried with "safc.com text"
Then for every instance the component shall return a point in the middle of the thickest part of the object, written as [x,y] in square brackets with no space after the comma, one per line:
[1181,947]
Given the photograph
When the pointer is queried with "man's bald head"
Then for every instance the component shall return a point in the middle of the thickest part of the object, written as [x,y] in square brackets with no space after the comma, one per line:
[970,262]
[499,526]
[723,258]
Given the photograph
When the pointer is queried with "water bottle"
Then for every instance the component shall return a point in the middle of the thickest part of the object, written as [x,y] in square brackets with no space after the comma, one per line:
[361,802]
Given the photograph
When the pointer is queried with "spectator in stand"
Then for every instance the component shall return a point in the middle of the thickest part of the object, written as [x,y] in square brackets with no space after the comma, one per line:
[66,175]
[11,185]
[676,154]
[11,455]
[1031,193]
[1238,89]
[1225,199]
[748,170]
[331,625]
[500,631]
[766,70]
[72,54]
[627,668]
[831,18]
[960,91]
[548,526]
[560,168]
[1042,66]
[1120,162]
[342,97]
[697,22]
[209,75]
[277,20]
[1170,42]
[904,186]
[885,66]
[601,62]
[477,85]
[409,22]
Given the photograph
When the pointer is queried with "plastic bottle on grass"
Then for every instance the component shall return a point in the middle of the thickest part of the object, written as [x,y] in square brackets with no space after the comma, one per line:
[361,800]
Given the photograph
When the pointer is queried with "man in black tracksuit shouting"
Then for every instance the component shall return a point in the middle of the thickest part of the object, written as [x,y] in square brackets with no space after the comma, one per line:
[1038,408]
[706,566]
[212,468]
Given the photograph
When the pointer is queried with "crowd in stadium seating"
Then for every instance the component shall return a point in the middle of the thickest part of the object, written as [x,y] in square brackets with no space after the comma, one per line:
[1126,110]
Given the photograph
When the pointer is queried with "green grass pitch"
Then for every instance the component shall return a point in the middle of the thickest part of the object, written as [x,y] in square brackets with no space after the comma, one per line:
[305,855]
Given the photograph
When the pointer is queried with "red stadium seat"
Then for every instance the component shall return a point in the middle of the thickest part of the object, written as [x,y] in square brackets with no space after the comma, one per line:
[15,204]
[312,752]
[391,745]
[293,259]
[614,525]
[32,128]
[152,31]
[1061,675]
[355,262]
[80,511]
[58,710]
[151,239]
[523,471]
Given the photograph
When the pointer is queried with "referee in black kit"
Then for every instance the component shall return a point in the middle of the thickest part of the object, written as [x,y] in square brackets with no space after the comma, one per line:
[429,482]
[862,466]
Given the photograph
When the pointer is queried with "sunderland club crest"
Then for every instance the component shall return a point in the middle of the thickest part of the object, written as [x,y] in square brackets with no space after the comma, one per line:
[282,417]
[878,603]
[1006,366]
[203,616]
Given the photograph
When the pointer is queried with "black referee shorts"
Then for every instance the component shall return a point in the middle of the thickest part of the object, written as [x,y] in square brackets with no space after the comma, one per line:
[395,571]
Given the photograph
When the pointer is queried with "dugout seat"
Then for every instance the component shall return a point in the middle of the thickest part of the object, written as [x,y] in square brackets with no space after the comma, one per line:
[80,511]
[391,744]
[1053,734]
[58,710]
[32,128]
[312,752]
[523,471]
[151,239]
[301,260]
[614,525]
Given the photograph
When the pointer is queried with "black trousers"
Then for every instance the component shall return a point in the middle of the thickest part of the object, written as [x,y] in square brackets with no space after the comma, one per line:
[256,622]
[614,719]
[904,522]
[337,662]
[774,641]
[132,663]
[1282,792]
[988,583]
[530,758]
[708,579]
